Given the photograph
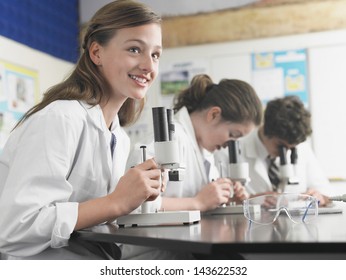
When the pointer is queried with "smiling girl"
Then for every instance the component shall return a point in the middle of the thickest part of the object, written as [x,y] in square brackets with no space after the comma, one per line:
[62,168]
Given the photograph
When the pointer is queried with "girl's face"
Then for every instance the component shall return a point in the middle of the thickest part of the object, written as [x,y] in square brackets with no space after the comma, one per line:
[217,132]
[130,60]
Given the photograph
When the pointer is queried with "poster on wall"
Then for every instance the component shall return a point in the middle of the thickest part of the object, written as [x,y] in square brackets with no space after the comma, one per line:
[177,76]
[281,73]
[18,93]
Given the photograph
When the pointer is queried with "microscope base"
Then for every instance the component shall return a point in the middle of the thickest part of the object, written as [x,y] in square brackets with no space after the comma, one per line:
[232,209]
[160,218]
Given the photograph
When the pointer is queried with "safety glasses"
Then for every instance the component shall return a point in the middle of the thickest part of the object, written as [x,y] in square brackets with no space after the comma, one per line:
[265,209]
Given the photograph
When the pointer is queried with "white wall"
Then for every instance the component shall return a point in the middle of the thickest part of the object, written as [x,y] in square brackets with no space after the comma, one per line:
[328,88]
[327,82]
[87,8]
[51,70]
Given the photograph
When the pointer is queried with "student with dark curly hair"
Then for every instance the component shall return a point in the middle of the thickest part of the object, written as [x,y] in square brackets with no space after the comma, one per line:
[286,123]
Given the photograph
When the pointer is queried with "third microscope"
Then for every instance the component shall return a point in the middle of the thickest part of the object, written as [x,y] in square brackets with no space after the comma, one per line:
[287,170]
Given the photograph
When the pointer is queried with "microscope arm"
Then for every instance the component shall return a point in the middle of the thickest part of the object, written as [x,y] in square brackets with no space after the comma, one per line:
[338,198]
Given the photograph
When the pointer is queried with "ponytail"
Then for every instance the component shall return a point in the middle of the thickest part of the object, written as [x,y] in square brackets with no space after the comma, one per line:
[193,95]
[237,99]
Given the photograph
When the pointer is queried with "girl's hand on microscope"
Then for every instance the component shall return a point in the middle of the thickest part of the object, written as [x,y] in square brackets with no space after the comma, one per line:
[140,183]
[214,194]
[323,200]
[164,179]
[240,193]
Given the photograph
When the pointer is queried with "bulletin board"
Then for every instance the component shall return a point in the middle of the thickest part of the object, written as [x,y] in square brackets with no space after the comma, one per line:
[280,73]
[18,93]
[48,26]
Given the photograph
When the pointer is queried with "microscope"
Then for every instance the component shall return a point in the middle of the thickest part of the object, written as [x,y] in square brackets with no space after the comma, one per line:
[167,156]
[166,147]
[287,170]
[238,171]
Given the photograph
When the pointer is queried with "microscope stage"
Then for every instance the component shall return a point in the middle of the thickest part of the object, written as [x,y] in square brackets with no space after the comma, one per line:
[160,218]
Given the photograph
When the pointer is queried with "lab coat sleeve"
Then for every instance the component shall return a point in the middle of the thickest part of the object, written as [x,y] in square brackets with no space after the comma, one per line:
[35,209]
[315,177]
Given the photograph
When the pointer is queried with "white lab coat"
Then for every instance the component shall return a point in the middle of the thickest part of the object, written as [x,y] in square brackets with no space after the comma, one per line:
[192,158]
[57,158]
[308,169]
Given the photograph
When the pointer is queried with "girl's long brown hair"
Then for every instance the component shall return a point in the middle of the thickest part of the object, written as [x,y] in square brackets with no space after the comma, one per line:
[86,81]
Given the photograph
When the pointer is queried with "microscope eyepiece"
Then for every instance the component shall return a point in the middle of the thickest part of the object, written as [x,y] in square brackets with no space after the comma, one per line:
[170,122]
[283,155]
[294,155]
[233,151]
[160,124]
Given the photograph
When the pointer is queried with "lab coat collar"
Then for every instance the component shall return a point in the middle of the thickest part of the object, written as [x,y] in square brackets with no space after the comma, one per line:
[183,117]
[97,118]
[261,149]
[115,124]
[96,115]
[256,151]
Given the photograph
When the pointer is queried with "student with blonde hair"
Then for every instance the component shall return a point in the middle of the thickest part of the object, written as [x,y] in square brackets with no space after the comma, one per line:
[62,168]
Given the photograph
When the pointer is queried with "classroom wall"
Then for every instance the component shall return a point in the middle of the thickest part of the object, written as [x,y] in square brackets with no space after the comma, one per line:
[327,83]
[48,71]
[51,70]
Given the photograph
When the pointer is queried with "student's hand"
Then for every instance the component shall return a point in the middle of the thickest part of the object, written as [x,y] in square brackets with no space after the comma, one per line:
[323,200]
[164,180]
[214,194]
[270,201]
[240,193]
[140,183]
